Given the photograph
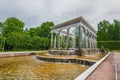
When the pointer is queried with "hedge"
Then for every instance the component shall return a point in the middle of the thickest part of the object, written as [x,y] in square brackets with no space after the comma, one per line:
[113,45]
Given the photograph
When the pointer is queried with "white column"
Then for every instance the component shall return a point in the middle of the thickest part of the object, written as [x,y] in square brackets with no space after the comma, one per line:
[61,40]
[90,40]
[58,39]
[55,42]
[67,45]
[80,38]
[86,33]
[92,43]
[95,42]
[84,38]
[52,40]
[73,42]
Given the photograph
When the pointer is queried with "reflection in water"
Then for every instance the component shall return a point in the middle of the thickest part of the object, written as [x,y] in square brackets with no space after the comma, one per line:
[28,68]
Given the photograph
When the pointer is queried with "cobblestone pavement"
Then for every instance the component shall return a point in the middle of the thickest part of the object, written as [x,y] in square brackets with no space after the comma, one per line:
[105,71]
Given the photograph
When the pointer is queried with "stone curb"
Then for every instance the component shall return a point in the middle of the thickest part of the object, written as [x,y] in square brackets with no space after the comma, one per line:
[85,74]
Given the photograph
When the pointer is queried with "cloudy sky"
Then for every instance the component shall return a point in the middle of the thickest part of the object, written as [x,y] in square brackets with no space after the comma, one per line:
[34,12]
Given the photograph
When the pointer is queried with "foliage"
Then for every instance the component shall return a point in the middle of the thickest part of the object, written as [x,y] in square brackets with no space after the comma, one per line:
[12,24]
[1,27]
[113,45]
[43,30]
[108,31]
[17,38]
[108,34]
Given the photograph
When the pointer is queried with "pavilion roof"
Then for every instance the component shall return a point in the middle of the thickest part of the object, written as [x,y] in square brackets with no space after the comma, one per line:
[73,21]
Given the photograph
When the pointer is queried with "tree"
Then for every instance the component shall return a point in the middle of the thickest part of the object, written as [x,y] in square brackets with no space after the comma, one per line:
[12,24]
[1,36]
[1,27]
[43,30]
[109,34]
[103,30]
[46,28]
[116,30]
[24,43]
[34,31]
[12,29]
[16,38]
[12,40]
[108,31]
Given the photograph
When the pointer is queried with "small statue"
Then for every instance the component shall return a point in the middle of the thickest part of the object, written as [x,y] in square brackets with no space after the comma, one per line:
[102,49]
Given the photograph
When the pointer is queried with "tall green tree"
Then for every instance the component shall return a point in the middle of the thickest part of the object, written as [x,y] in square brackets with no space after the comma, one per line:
[108,31]
[11,30]
[14,36]
[1,36]
[43,30]
[102,33]
[12,24]
[46,28]
[108,34]
[1,27]
[116,30]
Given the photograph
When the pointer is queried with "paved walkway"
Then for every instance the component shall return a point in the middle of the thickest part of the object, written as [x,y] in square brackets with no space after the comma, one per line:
[117,61]
[104,72]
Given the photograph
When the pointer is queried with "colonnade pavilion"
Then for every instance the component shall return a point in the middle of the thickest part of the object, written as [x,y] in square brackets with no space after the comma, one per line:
[73,35]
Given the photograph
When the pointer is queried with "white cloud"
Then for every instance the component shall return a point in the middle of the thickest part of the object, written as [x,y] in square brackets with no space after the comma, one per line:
[33,13]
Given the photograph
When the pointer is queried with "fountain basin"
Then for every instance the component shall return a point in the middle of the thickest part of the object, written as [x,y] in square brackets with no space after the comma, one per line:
[29,68]
[67,60]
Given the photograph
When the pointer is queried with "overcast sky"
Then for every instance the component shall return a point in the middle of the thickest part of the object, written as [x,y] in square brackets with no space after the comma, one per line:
[34,12]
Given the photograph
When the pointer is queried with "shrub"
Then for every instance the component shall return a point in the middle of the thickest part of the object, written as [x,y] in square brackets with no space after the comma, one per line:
[112,45]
